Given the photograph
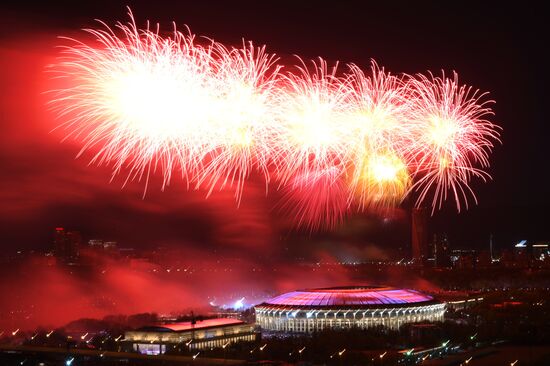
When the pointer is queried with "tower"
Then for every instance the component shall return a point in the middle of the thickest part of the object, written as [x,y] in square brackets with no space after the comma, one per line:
[419,239]
[491,247]
[66,244]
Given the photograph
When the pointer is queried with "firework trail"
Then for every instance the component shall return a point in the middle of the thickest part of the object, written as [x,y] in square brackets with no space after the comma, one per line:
[333,142]
[316,201]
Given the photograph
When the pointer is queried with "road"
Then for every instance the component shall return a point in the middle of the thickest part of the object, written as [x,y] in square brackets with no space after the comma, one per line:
[120,355]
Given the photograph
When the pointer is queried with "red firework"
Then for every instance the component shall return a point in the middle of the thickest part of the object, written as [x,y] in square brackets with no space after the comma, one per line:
[334,142]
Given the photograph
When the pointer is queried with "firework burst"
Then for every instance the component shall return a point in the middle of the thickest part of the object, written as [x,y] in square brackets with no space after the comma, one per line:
[311,116]
[241,134]
[450,138]
[213,114]
[381,179]
[377,108]
[146,102]
[139,100]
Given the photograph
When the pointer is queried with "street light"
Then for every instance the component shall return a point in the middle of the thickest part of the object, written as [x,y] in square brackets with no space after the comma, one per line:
[340,353]
[381,356]
[225,351]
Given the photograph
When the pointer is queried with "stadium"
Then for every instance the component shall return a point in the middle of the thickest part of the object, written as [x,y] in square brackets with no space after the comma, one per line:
[306,311]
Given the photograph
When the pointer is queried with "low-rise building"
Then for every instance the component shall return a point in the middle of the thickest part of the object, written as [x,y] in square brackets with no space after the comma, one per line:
[197,335]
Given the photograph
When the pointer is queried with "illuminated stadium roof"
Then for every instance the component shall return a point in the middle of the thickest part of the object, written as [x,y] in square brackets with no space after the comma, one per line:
[350,296]
[200,324]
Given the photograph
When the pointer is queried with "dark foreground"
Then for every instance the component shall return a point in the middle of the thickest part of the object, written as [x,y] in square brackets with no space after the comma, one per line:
[47,356]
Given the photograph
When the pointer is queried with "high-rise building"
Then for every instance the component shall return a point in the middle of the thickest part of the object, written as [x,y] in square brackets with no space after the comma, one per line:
[419,238]
[439,251]
[110,245]
[95,243]
[66,244]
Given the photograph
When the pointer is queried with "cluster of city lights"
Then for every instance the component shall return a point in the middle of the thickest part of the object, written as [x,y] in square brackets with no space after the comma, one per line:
[333,141]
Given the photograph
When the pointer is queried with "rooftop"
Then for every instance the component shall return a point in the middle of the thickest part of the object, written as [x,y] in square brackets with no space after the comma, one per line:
[199,324]
[350,296]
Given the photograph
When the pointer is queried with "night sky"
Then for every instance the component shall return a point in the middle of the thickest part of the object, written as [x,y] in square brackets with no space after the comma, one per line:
[497,48]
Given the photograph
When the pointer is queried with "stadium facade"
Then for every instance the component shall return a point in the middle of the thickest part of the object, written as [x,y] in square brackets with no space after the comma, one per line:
[307,311]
